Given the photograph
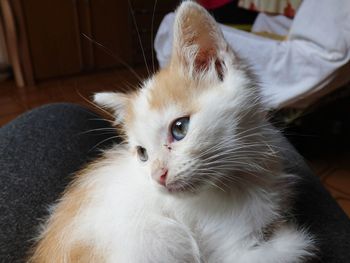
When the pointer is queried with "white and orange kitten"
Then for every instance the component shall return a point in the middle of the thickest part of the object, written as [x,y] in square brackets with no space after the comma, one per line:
[199,177]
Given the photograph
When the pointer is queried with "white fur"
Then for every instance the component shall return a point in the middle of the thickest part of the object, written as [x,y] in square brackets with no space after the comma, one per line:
[229,149]
[114,101]
[132,221]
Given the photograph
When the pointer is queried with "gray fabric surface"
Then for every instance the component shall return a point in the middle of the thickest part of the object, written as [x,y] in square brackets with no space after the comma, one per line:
[317,211]
[40,150]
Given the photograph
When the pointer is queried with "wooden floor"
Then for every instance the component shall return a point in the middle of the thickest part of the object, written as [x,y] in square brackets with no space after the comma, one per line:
[335,175]
[334,172]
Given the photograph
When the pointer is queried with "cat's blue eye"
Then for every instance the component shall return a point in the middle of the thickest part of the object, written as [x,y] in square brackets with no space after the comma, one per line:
[179,128]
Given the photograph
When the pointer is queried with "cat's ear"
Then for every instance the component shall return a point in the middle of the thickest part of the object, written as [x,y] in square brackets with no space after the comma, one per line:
[114,102]
[199,45]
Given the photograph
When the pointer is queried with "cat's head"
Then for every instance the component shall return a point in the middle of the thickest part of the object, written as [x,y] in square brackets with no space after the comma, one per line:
[196,122]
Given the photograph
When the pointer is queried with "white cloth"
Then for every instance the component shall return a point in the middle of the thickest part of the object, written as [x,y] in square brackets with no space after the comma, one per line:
[318,45]
[275,24]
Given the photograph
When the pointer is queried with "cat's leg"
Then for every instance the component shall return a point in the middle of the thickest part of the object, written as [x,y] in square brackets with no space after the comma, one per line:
[161,240]
[287,245]
[155,239]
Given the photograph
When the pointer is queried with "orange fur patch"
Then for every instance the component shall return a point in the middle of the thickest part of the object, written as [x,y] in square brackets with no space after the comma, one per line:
[85,254]
[52,247]
[171,88]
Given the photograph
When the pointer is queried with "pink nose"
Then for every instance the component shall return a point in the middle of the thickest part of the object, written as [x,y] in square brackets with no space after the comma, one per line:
[161,176]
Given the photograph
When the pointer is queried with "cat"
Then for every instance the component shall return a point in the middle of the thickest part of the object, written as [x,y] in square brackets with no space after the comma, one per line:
[199,176]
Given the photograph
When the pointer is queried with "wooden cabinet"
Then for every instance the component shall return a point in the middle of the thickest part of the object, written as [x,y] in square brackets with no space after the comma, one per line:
[110,26]
[51,34]
[53,37]
[145,14]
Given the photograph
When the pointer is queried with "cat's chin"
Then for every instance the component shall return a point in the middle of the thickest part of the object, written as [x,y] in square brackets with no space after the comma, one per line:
[174,188]
[178,188]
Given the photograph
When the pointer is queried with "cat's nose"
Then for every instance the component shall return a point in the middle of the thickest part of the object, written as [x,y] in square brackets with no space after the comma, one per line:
[160,176]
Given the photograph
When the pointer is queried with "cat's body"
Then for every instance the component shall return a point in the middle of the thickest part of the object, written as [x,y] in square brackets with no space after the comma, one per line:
[199,179]
[123,219]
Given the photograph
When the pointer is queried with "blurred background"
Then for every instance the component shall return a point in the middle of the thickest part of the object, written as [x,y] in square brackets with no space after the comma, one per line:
[66,50]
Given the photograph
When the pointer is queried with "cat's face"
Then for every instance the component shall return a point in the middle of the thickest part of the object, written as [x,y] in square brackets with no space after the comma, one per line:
[191,122]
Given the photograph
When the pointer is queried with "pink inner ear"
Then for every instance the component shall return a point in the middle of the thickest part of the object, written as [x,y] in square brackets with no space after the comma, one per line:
[204,59]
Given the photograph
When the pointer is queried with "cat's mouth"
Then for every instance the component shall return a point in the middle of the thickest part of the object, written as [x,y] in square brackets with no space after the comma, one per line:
[181,187]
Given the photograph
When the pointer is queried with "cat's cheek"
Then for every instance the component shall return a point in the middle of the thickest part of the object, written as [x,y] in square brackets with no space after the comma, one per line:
[143,167]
